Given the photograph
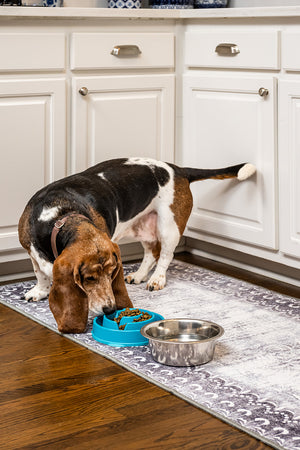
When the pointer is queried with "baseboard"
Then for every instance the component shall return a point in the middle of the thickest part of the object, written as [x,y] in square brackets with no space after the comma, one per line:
[134,250]
[250,263]
[16,270]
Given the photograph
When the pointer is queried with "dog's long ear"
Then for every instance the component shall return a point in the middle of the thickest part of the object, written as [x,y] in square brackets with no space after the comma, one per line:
[68,302]
[118,283]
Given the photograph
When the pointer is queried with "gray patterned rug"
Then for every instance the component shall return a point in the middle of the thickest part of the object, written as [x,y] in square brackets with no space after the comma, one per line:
[253,381]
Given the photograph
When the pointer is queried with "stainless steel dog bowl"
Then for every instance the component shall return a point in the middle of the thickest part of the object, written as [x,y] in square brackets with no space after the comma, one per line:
[182,342]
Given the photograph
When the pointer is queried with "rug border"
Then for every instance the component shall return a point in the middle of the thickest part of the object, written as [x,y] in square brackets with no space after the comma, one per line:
[150,380]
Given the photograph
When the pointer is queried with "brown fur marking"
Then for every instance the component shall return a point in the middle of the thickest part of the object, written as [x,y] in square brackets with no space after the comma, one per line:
[118,284]
[224,176]
[68,303]
[183,202]
[24,228]
[155,249]
[98,220]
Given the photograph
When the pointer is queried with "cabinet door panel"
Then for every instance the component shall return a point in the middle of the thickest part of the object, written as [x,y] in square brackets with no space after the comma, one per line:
[32,130]
[289,163]
[227,122]
[121,117]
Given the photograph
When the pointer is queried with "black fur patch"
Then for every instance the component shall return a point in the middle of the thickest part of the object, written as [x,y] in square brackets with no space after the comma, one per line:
[111,187]
[162,175]
[132,186]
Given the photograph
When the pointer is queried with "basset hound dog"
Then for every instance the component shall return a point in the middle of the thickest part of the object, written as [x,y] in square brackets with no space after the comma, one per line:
[71,227]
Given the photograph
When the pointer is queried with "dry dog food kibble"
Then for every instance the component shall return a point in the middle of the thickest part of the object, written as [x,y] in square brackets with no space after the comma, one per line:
[144,316]
[130,313]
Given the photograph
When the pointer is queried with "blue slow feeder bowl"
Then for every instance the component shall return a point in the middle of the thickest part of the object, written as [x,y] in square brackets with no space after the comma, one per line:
[106,330]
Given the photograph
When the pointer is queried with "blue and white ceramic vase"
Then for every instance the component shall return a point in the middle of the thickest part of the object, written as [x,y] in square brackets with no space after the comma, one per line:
[172,4]
[210,3]
[53,2]
[129,4]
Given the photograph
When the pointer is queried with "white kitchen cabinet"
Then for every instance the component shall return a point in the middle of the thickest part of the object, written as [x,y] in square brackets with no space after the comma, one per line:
[288,167]
[229,117]
[227,122]
[127,112]
[122,116]
[33,145]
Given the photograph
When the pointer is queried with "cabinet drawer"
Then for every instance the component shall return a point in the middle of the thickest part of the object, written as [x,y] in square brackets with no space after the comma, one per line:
[249,50]
[142,50]
[32,51]
[290,50]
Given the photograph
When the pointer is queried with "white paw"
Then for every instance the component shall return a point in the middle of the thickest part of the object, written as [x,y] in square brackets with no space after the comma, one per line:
[135,278]
[156,282]
[35,294]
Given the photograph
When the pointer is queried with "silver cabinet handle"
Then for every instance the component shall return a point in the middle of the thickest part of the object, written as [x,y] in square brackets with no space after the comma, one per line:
[263,92]
[83,91]
[226,49]
[125,50]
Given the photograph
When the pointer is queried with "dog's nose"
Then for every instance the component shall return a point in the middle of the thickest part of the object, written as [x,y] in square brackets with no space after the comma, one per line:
[108,310]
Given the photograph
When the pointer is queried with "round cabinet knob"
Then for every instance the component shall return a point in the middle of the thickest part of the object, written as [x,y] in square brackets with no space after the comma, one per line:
[263,92]
[83,91]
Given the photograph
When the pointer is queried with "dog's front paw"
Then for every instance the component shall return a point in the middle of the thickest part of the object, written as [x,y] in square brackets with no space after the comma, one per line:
[156,282]
[134,278]
[35,294]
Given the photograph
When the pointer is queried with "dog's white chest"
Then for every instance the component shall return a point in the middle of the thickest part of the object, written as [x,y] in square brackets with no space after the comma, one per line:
[143,227]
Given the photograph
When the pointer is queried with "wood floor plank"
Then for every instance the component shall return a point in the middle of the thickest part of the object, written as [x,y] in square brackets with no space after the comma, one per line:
[55,394]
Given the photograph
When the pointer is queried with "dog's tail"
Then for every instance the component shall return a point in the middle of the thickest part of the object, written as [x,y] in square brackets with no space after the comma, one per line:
[240,171]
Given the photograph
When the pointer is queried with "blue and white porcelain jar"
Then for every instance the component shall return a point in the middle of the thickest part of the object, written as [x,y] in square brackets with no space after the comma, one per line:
[210,3]
[129,4]
[172,4]
[53,2]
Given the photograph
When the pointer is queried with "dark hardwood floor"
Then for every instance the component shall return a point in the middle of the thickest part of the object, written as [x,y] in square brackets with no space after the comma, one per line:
[56,394]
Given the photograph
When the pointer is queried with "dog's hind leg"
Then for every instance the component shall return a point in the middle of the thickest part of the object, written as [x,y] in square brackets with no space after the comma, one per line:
[42,288]
[151,254]
[171,224]
[169,235]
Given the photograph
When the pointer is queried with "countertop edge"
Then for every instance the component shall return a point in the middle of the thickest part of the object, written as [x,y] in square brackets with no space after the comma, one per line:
[108,13]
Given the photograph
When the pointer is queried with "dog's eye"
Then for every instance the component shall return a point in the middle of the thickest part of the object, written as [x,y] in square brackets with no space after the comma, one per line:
[91,278]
